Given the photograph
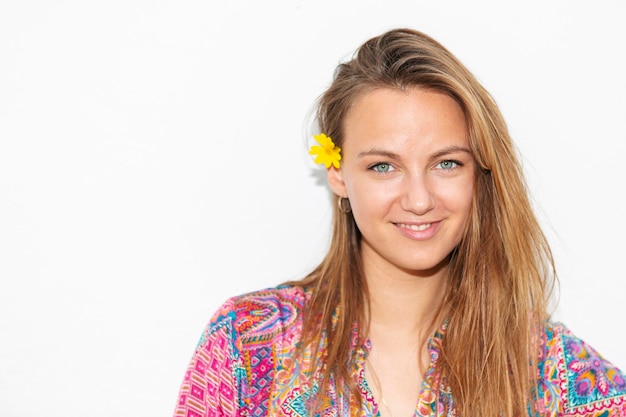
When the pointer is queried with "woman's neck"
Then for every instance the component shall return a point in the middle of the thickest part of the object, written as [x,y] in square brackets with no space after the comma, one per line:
[405,304]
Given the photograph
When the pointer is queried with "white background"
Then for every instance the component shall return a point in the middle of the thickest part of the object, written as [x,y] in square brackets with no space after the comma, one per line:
[153,161]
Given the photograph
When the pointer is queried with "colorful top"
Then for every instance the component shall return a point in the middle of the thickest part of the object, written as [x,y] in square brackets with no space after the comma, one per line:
[244,366]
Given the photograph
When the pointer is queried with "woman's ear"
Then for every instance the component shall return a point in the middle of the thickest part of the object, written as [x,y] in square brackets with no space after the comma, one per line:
[335,181]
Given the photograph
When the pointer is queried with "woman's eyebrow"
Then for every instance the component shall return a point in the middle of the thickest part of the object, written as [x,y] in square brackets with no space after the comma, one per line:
[450,149]
[378,152]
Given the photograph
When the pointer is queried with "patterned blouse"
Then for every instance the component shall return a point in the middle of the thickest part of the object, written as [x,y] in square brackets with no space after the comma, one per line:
[244,366]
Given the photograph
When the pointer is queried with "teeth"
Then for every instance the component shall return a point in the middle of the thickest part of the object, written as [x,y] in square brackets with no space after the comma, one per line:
[415,227]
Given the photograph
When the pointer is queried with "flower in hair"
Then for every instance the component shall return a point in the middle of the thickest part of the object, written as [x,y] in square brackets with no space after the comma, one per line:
[327,153]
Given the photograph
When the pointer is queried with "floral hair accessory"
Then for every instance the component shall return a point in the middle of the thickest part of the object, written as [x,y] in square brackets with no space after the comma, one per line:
[328,153]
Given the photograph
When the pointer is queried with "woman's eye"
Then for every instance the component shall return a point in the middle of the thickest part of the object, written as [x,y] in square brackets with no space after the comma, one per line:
[381,168]
[448,164]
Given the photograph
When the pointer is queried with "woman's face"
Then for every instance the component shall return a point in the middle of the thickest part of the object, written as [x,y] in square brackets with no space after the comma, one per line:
[408,172]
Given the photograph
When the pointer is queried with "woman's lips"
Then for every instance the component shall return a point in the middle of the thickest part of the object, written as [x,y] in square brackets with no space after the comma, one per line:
[418,231]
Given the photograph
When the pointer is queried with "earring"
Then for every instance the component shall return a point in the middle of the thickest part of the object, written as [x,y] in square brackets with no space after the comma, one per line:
[344,205]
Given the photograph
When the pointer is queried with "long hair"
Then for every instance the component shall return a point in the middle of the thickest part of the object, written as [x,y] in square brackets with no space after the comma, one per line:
[501,273]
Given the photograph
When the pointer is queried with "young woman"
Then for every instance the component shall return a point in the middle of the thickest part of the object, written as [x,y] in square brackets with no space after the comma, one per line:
[432,299]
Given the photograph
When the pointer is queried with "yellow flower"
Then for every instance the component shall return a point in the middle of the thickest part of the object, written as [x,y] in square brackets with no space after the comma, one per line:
[328,153]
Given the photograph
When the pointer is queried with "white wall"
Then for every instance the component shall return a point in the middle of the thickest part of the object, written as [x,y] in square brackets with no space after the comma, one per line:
[153,162]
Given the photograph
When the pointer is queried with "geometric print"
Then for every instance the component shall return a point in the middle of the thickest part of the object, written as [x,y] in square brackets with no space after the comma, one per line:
[259,361]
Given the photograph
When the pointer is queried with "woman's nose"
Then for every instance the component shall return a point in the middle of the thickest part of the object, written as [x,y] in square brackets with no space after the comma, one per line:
[417,194]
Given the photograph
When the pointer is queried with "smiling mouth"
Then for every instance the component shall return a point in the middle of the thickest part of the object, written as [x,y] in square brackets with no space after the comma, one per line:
[416,227]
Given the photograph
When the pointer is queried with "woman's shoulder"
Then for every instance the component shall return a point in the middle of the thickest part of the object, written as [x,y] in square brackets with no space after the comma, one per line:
[277,296]
[262,315]
[576,379]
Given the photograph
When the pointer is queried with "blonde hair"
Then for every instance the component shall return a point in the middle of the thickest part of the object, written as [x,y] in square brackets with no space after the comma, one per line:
[501,273]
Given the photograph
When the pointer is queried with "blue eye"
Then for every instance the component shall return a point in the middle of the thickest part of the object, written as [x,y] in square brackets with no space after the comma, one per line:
[448,164]
[381,168]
